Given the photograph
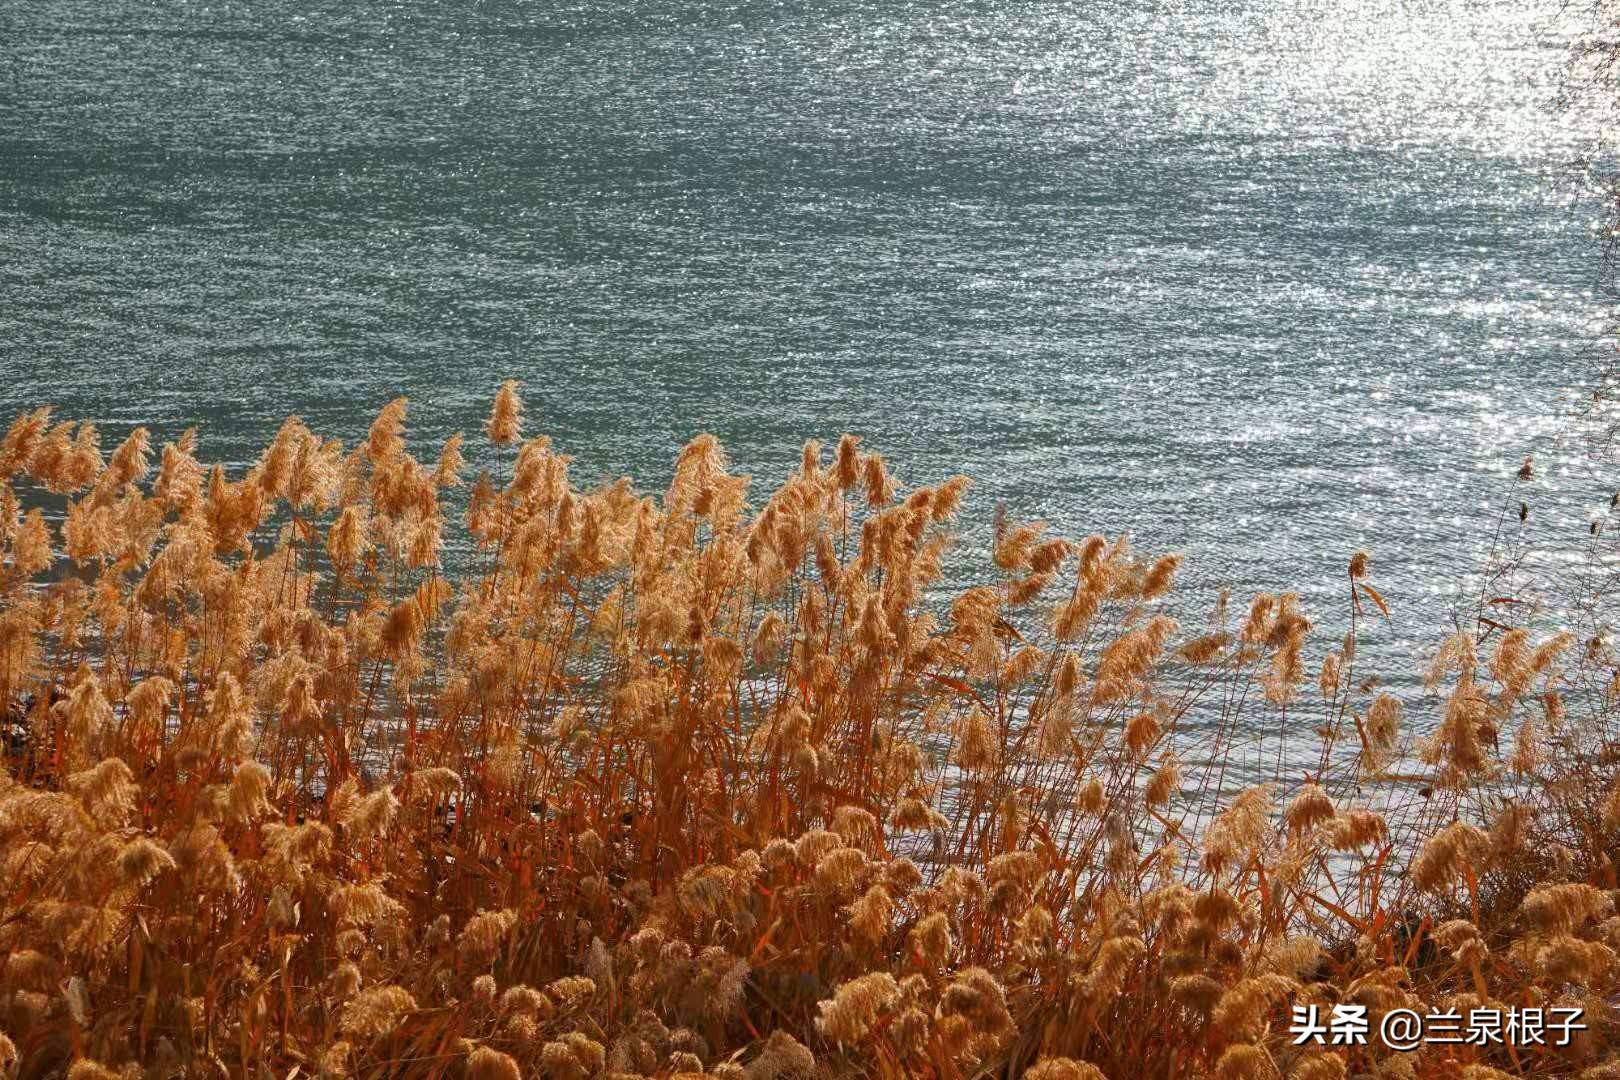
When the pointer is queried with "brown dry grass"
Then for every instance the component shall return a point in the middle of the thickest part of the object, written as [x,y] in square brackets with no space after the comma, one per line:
[699,785]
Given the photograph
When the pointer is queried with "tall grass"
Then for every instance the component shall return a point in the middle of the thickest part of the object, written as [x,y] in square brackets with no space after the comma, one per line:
[718,784]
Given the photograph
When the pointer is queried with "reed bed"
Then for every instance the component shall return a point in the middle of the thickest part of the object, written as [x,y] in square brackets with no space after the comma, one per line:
[732,786]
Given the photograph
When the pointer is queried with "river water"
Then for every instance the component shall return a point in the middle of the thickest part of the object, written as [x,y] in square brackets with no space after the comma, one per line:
[1259,282]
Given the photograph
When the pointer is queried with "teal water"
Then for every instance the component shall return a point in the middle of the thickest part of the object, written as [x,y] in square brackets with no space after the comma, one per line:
[1261,282]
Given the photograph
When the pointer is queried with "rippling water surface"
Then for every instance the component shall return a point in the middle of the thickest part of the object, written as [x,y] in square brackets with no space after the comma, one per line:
[1263,282]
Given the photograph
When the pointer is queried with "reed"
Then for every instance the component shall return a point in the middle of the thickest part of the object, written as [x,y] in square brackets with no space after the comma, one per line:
[738,786]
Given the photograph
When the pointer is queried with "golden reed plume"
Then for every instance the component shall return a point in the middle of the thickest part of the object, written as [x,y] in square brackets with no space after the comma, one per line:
[720,785]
